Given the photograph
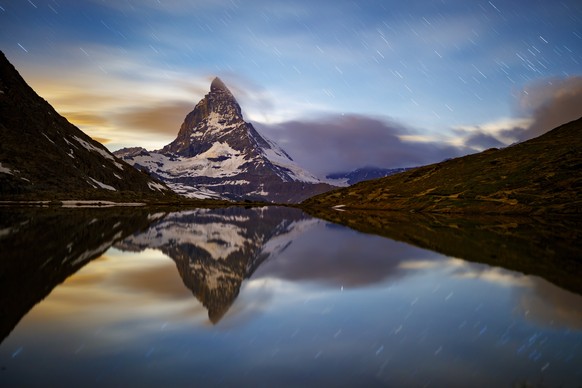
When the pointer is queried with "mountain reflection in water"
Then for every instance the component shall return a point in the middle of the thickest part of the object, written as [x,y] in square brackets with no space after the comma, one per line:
[290,298]
[215,250]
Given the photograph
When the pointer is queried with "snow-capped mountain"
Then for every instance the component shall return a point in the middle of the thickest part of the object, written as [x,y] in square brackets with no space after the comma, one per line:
[363,174]
[43,156]
[216,250]
[218,155]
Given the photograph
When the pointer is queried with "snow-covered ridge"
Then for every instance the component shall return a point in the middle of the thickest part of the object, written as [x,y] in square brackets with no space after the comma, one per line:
[102,185]
[220,161]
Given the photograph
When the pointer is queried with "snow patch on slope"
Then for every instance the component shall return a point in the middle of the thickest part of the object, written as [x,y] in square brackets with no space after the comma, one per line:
[5,170]
[103,185]
[193,192]
[100,151]
[156,186]
[216,123]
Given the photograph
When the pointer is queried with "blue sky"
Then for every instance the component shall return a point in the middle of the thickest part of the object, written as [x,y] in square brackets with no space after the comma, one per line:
[339,84]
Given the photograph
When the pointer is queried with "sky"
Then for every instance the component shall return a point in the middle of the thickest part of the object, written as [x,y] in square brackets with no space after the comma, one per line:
[338,84]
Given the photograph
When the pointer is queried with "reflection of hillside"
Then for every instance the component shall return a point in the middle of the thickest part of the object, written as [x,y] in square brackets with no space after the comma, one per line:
[548,248]
[215,250]
[40,248]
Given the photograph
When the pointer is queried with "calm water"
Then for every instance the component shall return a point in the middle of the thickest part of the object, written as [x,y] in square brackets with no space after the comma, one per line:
[265,297]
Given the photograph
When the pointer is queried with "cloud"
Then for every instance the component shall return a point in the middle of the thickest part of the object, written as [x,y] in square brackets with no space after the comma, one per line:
[82,119]
[483,141]
[542,107]
[102,140]
[551,103]
[346,142]
[164,118]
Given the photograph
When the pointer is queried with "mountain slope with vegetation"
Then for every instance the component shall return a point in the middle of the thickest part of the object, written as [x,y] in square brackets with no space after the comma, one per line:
[539,176]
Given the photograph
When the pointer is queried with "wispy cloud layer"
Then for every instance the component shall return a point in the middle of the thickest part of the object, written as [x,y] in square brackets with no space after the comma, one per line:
[344,143]
[551,103]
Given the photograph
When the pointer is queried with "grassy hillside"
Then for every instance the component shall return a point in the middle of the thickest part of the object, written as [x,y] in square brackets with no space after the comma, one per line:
[539,176]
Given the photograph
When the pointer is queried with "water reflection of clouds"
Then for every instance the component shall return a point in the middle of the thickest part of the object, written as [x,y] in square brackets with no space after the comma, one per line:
[120,287]
[328,257]
[462,269]
[339,256]
[536,299]
[549,305]
[467,270]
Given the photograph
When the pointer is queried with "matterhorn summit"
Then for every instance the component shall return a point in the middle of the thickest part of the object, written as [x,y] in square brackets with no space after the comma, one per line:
[218,155]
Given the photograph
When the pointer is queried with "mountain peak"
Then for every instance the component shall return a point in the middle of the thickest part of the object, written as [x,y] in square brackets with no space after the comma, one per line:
[217,154]
[218,85]
[216,115]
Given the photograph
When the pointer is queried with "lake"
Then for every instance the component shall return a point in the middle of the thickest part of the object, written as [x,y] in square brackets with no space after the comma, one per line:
[276,297]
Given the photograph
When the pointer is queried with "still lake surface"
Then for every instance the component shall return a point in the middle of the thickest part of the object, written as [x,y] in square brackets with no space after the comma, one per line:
[266,297]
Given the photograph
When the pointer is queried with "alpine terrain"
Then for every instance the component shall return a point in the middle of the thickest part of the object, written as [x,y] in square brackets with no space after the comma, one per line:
[218,155]
[43,156]
[540,176]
